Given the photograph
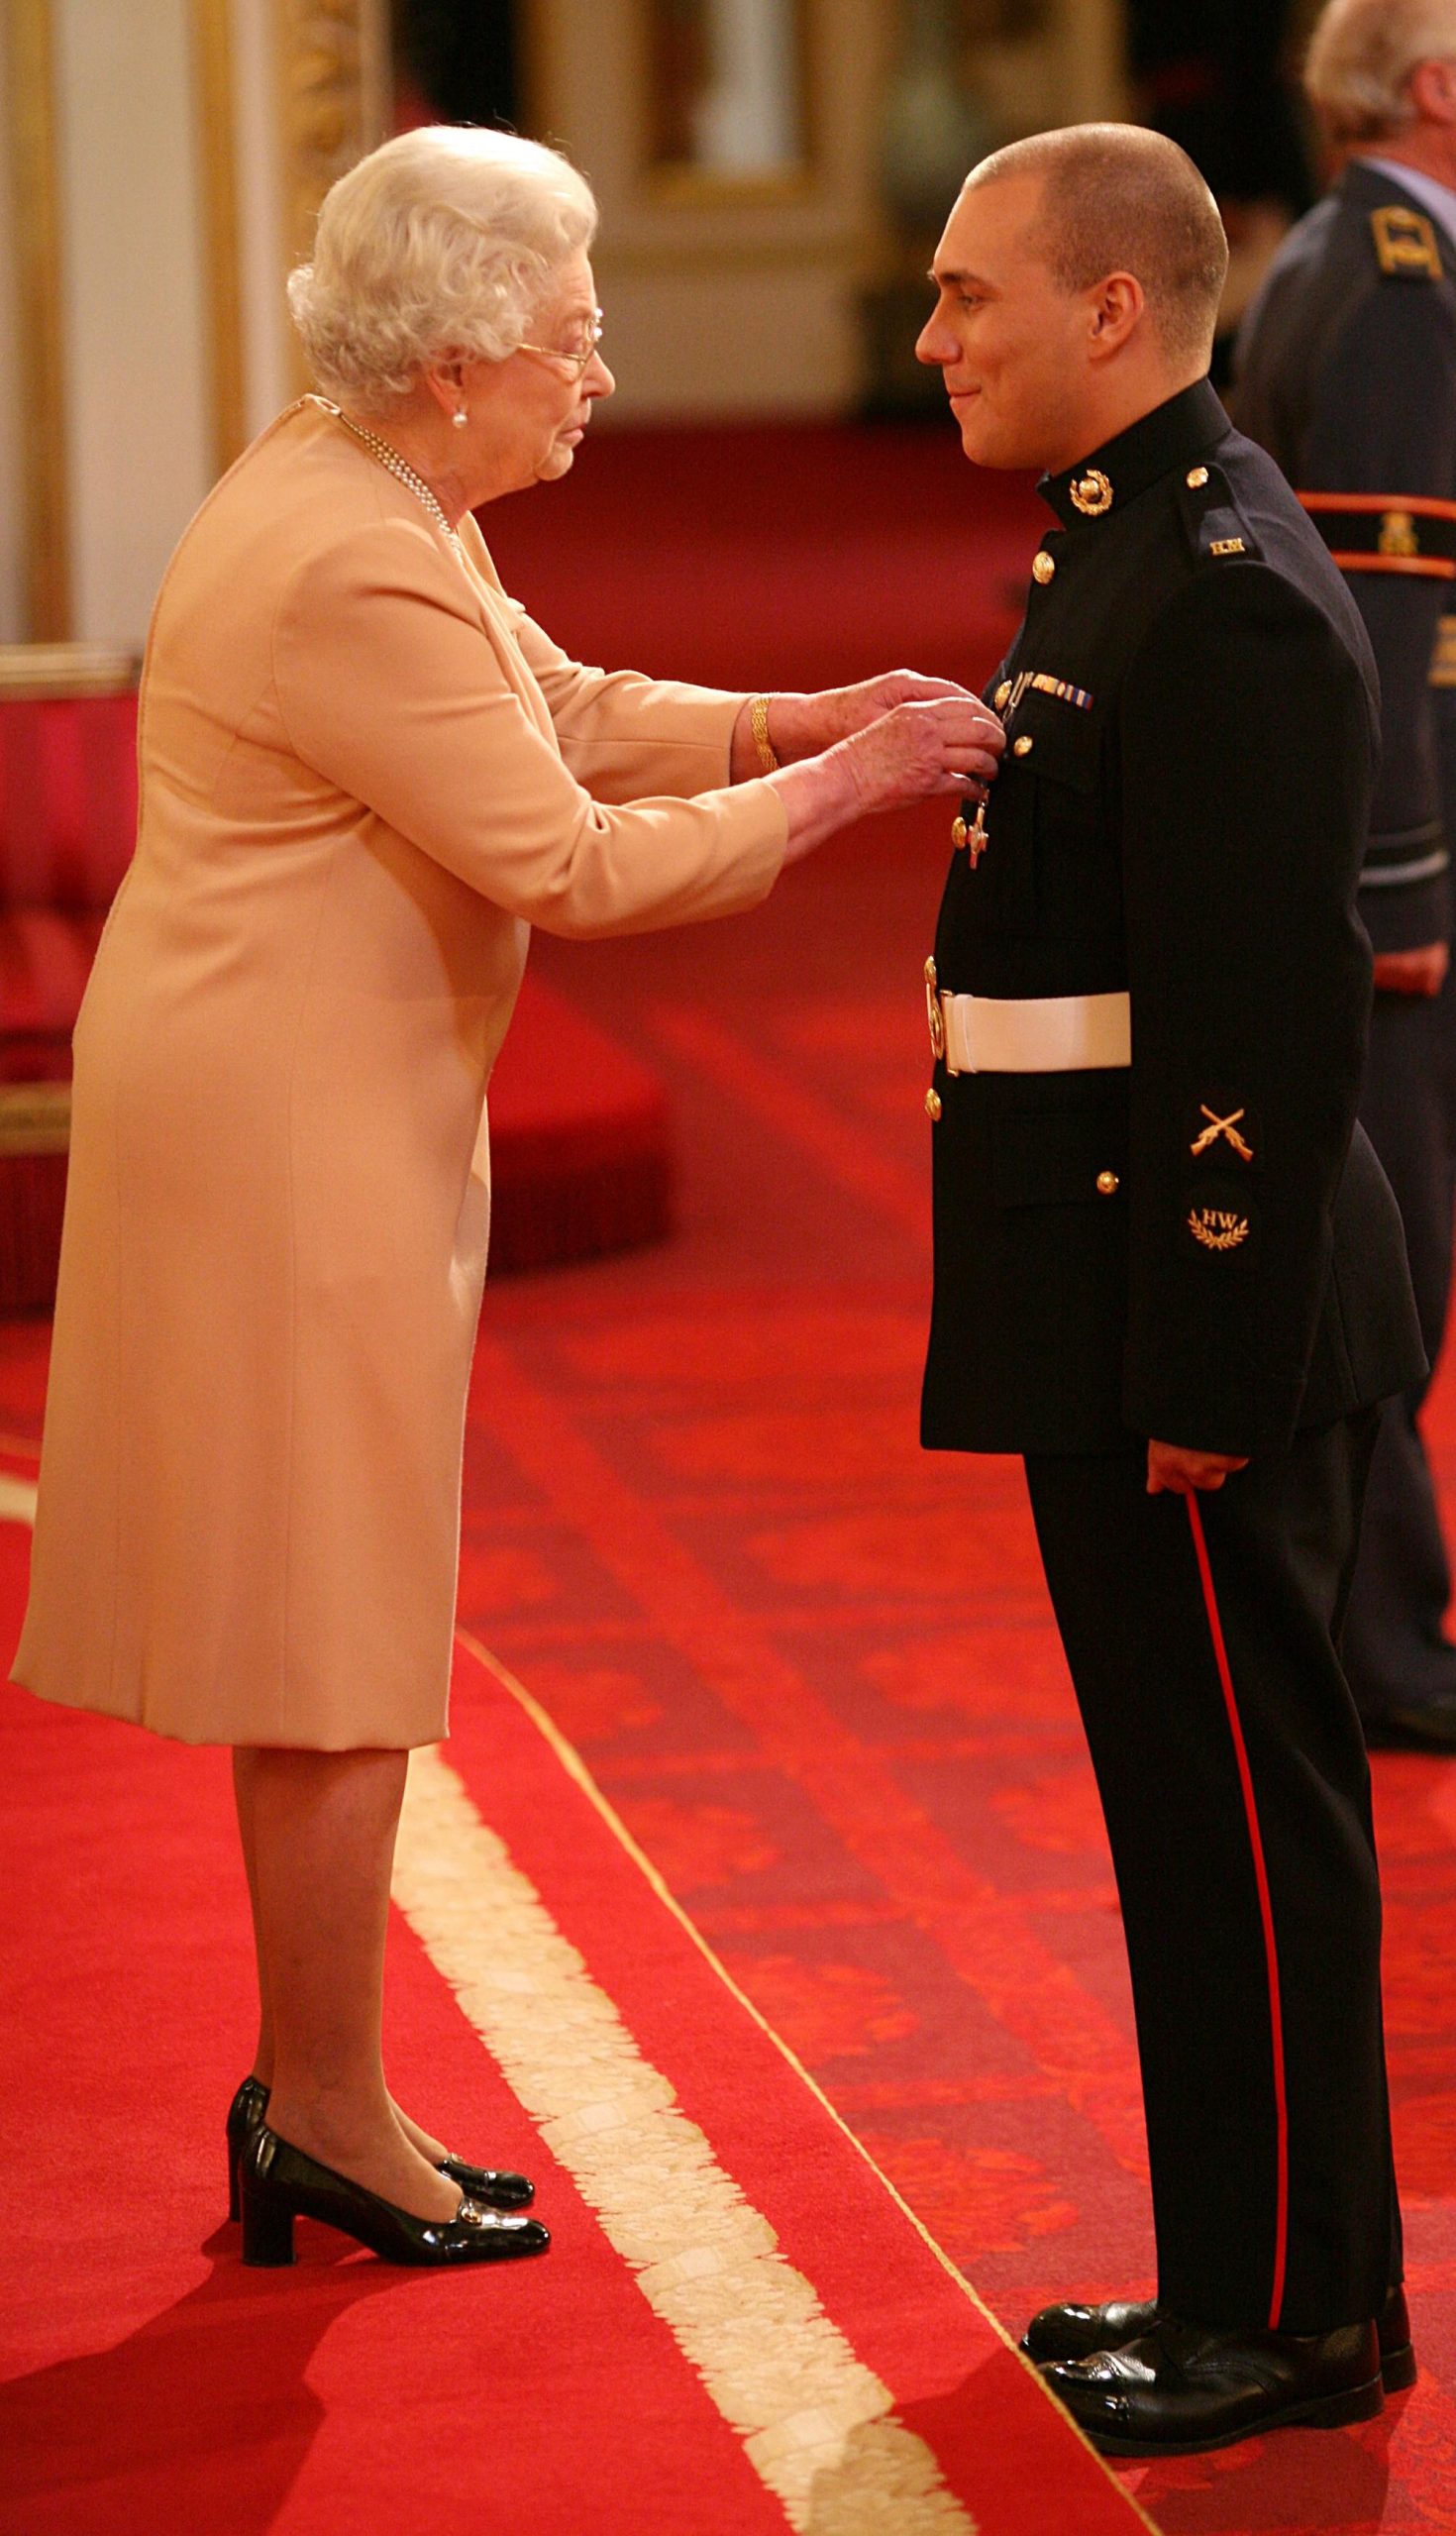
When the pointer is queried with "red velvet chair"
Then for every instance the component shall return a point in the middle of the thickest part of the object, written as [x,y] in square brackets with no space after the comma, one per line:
[581,1131]
[67,825]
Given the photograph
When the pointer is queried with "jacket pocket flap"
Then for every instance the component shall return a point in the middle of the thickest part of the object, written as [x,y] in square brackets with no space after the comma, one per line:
[1058,1158]
[1064,742]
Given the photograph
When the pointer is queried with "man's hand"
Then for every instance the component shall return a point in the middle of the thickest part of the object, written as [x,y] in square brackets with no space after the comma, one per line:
[1422,972]
[1178,1468]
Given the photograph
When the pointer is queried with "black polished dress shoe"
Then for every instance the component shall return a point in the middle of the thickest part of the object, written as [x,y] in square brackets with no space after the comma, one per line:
[497,2187]
[1180,2389]
[1414,1725]
[1074,2333]
[280,2184]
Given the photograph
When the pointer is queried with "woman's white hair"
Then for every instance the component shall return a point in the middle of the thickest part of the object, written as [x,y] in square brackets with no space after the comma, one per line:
[1361,55]
[437,247]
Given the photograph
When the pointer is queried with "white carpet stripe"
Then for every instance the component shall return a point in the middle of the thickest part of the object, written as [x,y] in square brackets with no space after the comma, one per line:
[817,2425]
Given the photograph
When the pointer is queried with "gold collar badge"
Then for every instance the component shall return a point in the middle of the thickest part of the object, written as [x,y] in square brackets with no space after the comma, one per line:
[1092,493]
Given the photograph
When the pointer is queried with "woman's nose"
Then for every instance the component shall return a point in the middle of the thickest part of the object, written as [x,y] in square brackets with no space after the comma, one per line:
[599,380]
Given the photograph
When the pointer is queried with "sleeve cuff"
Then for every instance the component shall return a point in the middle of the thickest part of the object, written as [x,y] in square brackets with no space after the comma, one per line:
[1407,916]
[1260,1416]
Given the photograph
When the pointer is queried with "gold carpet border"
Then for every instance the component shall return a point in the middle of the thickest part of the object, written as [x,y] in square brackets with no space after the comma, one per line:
[578,1770]
[817,2426]
[18,1498]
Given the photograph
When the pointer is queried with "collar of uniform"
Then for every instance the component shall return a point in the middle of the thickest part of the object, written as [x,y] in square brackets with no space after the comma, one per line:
[1168,437]
[1368,187]
[1424,194]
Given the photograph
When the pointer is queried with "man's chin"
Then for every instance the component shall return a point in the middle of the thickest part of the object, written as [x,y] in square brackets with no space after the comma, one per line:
[986,446]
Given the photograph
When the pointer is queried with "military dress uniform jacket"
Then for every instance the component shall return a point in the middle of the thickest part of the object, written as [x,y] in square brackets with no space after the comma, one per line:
[1347,376]
[1201,1246]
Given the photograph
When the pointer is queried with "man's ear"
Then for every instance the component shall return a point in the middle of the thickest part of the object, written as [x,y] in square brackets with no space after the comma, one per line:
[1115,308]
[1434,91]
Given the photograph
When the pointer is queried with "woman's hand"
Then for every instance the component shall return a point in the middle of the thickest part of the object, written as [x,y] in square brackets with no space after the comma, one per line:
[801,725]
[951,745]
[919,749]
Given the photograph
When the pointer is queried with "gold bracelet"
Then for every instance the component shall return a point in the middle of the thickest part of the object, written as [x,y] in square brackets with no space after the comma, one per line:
[758,724]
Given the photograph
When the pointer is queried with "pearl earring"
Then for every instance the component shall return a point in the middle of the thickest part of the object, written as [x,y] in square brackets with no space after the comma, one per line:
[459,418]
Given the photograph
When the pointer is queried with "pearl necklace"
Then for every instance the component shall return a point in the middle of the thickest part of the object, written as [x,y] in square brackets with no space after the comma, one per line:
[396,465]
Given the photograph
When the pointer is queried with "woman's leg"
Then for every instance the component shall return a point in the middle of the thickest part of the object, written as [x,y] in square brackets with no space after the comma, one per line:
[245,1759]
[321,1828]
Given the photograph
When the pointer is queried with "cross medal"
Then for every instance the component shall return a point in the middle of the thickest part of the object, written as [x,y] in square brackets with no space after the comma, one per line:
[973,839]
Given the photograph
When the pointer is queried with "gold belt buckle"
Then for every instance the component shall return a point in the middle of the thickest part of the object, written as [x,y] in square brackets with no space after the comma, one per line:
[933,1013]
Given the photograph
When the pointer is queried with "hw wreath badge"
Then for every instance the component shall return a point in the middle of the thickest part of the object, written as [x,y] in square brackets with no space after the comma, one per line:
[1217,1228]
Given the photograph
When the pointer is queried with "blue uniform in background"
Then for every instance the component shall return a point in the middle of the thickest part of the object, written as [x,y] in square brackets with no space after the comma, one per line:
[1346,372]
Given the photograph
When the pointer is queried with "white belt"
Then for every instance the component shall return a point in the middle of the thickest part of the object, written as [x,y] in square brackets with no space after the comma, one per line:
[1030,1034]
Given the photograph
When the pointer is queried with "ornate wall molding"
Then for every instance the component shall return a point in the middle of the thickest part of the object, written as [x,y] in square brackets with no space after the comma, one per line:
[31,111]
[212,53]
[333,57]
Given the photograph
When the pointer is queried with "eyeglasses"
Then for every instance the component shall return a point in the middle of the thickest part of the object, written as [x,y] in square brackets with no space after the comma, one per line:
[570,364]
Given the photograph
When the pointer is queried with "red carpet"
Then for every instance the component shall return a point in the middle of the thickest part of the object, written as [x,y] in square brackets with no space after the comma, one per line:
[152,2383]
[580,1141]
[812,1669]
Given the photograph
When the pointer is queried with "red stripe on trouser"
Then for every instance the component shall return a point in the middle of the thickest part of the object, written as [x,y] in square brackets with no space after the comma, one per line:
[1266,1912]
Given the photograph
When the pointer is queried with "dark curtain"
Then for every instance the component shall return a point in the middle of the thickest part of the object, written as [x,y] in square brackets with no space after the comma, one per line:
[1219,77]
[461,58]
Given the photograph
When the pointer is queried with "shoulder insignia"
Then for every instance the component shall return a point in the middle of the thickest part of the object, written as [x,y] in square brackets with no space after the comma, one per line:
[1443,658]
[1215,526]
[1405,242]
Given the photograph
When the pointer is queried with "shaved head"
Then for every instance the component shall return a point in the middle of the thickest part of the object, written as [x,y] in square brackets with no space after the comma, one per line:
[1116,198]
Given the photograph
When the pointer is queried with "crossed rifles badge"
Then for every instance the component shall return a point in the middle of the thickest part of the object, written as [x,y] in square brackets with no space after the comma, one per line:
[1217,1127]
[1216,1227]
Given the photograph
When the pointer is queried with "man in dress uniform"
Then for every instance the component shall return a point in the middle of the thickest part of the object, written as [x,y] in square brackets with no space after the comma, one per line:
[1347,375]
[1167,1268]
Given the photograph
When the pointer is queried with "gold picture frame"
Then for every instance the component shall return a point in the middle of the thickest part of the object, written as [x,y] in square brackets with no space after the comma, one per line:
[678,183]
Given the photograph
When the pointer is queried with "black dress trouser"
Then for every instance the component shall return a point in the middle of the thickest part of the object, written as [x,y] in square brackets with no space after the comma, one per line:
[1237,1793]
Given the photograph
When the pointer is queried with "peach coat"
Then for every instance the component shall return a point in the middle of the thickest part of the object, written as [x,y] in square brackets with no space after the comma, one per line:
[366,774]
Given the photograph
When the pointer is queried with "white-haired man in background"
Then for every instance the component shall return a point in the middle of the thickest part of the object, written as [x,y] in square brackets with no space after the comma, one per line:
[1347,375]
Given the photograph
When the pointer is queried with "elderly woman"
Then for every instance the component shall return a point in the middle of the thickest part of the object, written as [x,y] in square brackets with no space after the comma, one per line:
[366,774]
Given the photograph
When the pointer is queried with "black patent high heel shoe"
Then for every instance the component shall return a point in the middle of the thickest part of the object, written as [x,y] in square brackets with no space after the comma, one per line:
[244,2113]
[499,2187]
[279,2184]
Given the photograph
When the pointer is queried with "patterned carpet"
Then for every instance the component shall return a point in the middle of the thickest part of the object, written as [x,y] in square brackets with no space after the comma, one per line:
[815,1671]
[812,1668]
